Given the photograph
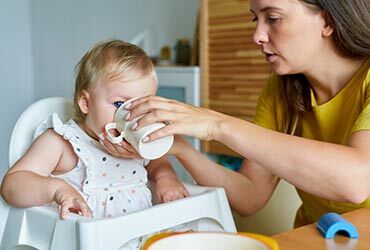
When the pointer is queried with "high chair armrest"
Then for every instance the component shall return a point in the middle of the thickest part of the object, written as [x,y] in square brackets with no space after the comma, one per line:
[35,226]
[194,189]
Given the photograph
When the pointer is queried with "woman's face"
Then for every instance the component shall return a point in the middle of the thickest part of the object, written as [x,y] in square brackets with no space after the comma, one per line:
[290,34]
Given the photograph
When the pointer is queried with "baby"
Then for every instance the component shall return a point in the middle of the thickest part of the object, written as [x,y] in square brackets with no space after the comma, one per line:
[68,164]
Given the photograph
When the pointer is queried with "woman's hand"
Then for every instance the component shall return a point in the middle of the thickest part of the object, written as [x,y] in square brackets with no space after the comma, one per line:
[122,149]
[69,200]
[179,117]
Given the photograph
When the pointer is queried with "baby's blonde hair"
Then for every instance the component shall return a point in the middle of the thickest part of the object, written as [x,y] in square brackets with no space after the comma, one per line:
[109,60]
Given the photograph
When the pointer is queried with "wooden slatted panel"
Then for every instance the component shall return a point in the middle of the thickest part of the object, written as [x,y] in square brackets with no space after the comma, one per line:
[234,70]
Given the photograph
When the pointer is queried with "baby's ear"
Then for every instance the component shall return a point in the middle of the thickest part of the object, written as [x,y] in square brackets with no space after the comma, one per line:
[83,101]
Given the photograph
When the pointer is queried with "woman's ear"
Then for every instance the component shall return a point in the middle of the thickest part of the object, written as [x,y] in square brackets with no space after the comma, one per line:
[327,28]
[83,101]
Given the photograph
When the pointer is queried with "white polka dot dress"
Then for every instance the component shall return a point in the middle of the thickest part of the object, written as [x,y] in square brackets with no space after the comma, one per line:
[111,186]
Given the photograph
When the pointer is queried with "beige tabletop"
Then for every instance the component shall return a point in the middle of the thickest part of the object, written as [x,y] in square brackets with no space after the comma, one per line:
[308,237]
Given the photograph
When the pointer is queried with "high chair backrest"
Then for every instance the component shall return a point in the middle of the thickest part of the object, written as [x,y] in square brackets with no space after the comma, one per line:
[31,118]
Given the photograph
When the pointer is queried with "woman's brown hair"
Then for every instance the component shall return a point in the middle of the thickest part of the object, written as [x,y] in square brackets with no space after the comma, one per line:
[351,24]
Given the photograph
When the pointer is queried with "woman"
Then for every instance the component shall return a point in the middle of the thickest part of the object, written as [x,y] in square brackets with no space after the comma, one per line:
[312,126]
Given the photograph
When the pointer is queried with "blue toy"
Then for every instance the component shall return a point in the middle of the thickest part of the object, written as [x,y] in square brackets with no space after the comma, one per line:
[331,223]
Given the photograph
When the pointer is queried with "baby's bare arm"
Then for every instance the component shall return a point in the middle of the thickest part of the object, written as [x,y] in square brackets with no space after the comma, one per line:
[168,186]
[27,183]
[160,168]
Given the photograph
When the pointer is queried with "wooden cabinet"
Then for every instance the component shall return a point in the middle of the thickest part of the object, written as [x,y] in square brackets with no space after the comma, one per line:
[234,69]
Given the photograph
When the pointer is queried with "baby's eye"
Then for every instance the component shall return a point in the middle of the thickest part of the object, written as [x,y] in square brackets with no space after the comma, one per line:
[118,104]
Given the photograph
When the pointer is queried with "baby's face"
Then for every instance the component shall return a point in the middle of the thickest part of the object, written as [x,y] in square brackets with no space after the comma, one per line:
[107,96]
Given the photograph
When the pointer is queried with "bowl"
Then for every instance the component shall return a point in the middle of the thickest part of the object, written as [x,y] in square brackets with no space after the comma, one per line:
[209,240]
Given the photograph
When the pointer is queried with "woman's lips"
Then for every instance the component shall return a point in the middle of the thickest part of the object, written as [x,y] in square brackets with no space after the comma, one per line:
[270,57]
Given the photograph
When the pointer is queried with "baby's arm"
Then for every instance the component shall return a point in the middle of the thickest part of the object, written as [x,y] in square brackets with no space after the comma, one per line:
[28,183]
[168,186]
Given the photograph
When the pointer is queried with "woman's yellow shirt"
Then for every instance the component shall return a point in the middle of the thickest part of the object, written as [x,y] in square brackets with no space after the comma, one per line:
[334,121]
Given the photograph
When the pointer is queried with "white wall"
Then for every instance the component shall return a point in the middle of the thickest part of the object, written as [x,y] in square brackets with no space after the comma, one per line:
[15,72]
[64,30]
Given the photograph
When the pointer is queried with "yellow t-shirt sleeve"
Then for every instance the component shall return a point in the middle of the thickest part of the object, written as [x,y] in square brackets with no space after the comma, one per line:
[266,115]
[363,120]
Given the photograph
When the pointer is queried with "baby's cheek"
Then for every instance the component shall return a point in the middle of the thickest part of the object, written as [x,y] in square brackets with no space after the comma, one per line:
[107,118]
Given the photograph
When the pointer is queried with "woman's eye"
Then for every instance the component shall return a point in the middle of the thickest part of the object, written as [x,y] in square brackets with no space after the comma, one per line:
[273,19]
[118,104]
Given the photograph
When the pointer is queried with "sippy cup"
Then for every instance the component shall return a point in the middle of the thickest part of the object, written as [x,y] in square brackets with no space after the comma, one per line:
[148,150]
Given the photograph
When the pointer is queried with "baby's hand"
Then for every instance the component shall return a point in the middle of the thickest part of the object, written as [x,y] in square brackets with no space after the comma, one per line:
[122,149]
[169,188]
[69,200]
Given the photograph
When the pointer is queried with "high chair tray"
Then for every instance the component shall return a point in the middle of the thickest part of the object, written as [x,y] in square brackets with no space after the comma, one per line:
[41,228]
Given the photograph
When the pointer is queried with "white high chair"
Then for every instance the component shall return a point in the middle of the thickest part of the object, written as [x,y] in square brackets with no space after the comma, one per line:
[40,227]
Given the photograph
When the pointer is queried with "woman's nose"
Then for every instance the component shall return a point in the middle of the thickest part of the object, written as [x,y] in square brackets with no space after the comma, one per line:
[260,35]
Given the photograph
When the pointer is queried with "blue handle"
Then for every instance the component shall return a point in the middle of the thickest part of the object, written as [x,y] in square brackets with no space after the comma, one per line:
[331,223]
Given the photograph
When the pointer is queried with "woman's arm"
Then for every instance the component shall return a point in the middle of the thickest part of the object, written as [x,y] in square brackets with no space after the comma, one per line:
[331,171]
[328,170]
[247,190]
